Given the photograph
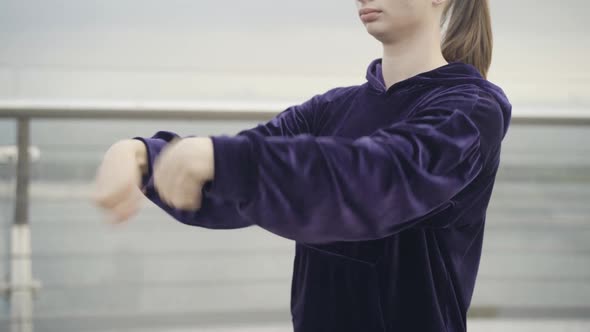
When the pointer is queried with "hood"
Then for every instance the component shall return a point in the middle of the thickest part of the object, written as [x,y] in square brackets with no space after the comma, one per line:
[454,73]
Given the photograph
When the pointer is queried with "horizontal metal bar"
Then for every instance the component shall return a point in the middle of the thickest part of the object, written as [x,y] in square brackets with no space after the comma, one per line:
[573,116]
[543,115]
[141,110]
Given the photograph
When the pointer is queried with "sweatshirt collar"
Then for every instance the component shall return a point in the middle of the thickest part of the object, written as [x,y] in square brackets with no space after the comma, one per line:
[448,73]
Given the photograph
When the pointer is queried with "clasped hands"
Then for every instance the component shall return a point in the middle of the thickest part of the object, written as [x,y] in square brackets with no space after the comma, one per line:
[179,174]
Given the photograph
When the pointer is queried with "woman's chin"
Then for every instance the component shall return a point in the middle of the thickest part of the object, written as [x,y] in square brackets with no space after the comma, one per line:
[377,31]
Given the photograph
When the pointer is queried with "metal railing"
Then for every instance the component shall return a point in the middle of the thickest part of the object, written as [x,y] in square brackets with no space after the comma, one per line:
[21,286]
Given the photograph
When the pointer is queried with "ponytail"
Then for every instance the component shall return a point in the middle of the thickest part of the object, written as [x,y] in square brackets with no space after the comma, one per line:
[468,37]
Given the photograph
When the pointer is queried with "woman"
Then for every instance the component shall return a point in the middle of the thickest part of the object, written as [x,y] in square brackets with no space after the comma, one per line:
[384,186]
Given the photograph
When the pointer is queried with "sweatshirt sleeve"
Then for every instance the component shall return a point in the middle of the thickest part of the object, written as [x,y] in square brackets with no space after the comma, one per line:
[326,189]
[219,212]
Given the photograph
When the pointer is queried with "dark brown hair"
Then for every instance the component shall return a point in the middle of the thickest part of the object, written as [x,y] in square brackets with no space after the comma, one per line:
[468,37]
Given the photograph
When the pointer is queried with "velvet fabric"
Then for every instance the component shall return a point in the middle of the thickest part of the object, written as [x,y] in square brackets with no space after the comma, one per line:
[384,192]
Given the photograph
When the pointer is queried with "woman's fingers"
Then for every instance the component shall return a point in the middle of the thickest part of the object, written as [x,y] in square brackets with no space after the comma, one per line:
[125,209]
[109,195]
[174,176]
[164,179]
[187,197]
[115,177]
[116,190]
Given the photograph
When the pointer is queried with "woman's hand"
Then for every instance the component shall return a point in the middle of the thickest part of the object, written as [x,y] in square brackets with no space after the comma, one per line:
[181,171]
[118,180]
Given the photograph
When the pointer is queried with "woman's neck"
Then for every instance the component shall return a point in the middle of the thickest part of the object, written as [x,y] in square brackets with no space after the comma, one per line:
[416,54]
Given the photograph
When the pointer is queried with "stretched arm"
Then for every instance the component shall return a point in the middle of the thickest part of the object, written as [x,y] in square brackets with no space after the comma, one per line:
[325,189]
[219,212]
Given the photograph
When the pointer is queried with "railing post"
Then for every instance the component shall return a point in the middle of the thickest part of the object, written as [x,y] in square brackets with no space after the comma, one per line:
[21,285]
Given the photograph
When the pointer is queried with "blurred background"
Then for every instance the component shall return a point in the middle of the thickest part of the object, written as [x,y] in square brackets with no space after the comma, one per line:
[155,274]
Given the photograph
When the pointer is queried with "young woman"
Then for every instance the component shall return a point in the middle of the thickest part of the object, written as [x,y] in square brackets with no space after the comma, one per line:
[384,186]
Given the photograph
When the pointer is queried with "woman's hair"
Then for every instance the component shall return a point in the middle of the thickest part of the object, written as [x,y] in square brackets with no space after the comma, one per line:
[468,36]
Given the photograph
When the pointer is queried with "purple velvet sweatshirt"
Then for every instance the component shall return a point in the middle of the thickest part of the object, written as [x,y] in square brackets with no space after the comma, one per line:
[384,191]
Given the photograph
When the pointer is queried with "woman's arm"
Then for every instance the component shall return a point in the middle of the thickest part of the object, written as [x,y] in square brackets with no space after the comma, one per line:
[325,189]
[218,212]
